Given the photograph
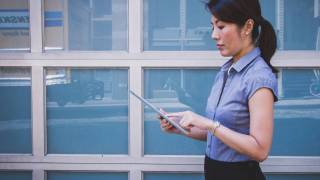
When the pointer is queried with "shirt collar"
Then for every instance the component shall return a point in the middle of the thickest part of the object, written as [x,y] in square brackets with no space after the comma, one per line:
[243,61]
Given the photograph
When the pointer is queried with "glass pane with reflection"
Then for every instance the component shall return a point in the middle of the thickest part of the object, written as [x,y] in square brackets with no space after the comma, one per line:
[86,25]
[293,176]
[301,32]
[174,90]
[184,25]
[87,111]
[86,176]
[15,111]
[14,25]
[15,175]
[297,114]
[172,176]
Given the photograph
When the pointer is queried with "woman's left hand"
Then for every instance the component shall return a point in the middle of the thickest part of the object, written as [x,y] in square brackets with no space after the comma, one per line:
[190,119]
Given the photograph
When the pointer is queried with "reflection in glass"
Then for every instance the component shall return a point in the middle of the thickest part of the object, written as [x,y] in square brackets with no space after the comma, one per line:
[293,176]
[86,25]
[174,90]
[184,25]
[172,176]
[15,111]
[14,25]
[87,111]
[294,32]
[297,114]
[86,176]
[269,11]
[15,175]
[302,32]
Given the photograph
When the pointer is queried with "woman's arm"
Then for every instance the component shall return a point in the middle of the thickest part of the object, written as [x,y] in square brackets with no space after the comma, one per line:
[198,134]
[257,144]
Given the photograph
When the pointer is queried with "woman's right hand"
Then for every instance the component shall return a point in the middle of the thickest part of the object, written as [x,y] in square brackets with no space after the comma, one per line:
[166,126]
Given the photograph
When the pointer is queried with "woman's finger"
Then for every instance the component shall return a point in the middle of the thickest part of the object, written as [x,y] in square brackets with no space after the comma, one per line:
[163,121]
[176,114]
[160,117]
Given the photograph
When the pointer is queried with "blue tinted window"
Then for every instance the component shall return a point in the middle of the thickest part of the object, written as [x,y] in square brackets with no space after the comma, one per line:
[14,25]
[92,25]
[185,25]
[302,32]
[15,111]
[15,175]
[172,176]
[268,8]
[297,114]
[294,32]
[174,25]
[86,176]
[174,90]
[293,177]
[87,111]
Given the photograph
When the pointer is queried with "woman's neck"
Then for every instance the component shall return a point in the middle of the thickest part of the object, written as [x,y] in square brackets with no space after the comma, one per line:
[243,52]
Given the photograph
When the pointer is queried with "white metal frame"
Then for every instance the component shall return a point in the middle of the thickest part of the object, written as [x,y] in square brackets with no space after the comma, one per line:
[136,163]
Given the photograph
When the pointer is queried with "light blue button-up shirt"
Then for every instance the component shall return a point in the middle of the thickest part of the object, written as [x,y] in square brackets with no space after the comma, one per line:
[243,79]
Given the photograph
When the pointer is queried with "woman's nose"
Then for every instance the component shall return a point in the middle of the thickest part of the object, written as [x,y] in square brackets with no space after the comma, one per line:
[215,34]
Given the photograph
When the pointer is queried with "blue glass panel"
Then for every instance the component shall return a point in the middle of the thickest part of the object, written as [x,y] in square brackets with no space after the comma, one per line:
[15,175]
[184,25]
[102,29]
[87,111]
[174,90]
[293,177]
[172,176]
[14,25]
[302,32]
[187,176]
[268,8]
[15,111]
[102,8]
[86,176]
[93,25]
[297,114]
[198,27]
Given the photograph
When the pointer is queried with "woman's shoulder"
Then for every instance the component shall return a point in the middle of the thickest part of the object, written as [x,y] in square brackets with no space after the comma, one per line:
[260,75]
[260,69]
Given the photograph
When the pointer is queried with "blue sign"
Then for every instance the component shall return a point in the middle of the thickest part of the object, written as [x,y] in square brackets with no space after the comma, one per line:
[14,19]
[19,19]
[53,19]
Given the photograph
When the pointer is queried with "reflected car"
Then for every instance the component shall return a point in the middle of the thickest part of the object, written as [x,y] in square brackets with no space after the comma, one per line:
[75,92]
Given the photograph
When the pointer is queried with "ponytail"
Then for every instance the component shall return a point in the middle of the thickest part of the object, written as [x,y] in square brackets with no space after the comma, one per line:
[267,41]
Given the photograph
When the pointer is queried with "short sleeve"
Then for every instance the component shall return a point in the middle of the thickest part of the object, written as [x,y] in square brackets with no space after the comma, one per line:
[264,80]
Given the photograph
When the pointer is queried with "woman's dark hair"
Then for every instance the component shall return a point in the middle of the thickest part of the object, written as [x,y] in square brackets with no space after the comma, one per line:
[238,12]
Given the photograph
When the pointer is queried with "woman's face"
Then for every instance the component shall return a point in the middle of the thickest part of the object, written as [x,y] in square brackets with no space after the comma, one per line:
[228,38]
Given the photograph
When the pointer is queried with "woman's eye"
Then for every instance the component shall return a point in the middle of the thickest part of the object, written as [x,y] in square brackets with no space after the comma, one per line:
[220,27]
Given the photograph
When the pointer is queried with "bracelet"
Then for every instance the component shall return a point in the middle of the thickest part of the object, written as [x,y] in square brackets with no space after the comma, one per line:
[217,124]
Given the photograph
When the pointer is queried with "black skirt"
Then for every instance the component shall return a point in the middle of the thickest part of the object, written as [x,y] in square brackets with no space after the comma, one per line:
[219,170]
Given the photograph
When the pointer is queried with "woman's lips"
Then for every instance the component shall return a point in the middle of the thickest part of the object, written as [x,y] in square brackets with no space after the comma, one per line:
[219,46]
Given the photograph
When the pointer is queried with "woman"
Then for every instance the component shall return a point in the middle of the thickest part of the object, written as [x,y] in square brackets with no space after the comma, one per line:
[238,125]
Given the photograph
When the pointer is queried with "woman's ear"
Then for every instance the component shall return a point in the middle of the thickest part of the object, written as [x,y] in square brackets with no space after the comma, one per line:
[248,27]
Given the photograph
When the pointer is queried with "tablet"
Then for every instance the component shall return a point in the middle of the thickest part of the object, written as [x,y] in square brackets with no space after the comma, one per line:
[156,109]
